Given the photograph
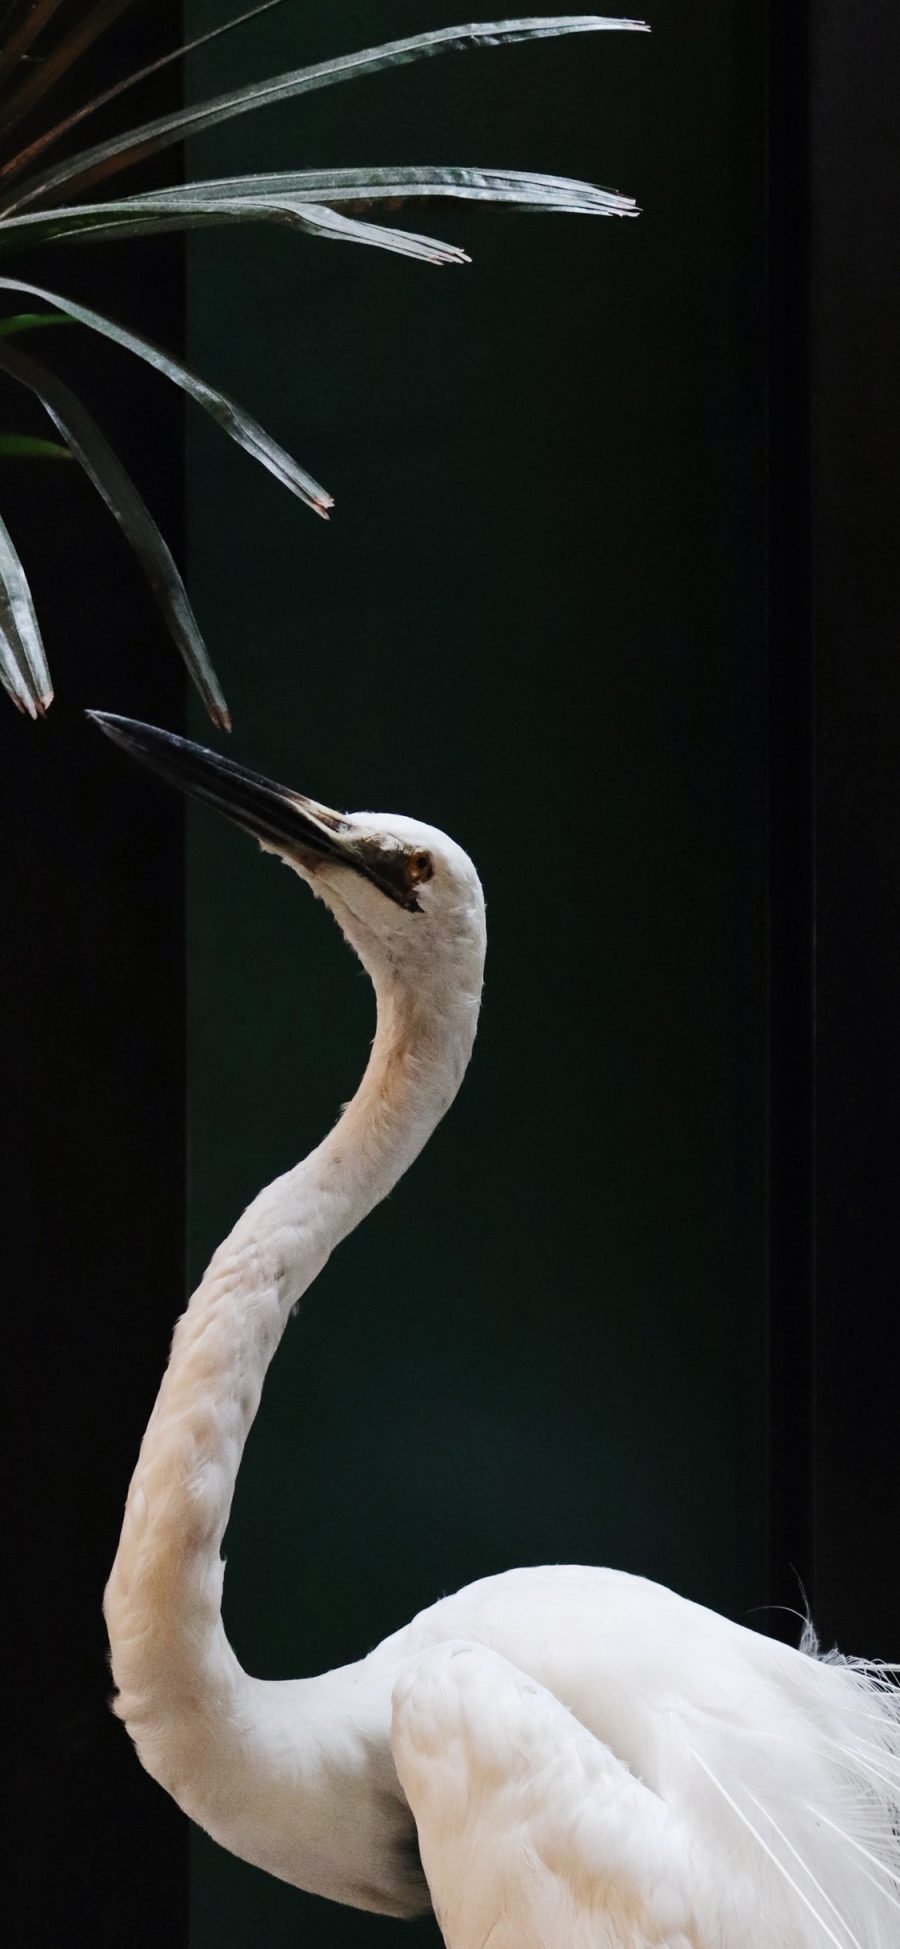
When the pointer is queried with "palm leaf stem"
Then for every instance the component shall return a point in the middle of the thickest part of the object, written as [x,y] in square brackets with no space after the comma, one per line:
[16,165]
[104,469]
[61,58]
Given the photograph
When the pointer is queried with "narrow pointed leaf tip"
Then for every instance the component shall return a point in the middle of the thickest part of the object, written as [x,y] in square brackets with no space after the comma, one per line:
[30,321]
[310,200]
[528,188]
[121,151]
[23,446]
[23,665]
[240,426]
[178,210]
[90,448]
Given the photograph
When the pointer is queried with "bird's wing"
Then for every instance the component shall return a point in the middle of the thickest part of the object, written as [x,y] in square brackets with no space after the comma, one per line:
[533,1834]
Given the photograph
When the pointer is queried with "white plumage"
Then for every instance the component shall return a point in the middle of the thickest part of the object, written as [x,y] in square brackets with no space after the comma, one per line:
[577,1759]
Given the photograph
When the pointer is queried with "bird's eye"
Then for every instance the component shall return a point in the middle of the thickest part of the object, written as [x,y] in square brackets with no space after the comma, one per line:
[419,867]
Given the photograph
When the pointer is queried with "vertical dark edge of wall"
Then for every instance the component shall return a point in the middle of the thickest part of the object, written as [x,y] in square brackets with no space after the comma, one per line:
[834,800]
[791,768]
[92,1107]
[855,371]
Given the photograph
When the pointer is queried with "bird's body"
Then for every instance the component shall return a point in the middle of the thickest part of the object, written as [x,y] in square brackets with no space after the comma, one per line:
[576,1758]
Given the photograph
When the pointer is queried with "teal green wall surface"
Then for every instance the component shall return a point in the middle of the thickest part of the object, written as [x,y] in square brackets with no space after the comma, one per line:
[535,620]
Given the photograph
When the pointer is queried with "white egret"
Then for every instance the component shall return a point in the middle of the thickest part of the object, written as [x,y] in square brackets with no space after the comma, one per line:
[563,1757]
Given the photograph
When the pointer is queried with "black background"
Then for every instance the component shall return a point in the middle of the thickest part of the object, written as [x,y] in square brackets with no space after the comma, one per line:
[538,617]
[92,975]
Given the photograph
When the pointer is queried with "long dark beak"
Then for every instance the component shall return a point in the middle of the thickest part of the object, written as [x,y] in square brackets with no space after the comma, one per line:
[295,825]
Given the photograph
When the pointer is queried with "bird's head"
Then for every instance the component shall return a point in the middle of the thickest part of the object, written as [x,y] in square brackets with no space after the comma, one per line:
[408,898]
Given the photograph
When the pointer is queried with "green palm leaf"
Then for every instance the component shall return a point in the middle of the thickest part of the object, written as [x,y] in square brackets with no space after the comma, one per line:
[240,426]
[30,321]
[23,665]
[528,189]
[24,446]
[179,210]
[92,450]
[118,152]
[292,197]
[327,203]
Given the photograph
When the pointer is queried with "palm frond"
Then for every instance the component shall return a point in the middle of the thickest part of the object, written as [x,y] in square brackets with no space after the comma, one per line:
[305,199]
[118,152]
[93,452]
[240,426]
[23,665]
[326,203]
[24,446]
[16,165]
[30,321]
[527,189]
[176,210]
[317,220]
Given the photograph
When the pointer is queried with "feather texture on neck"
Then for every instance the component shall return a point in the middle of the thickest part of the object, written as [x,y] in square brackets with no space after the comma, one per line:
[197,1719]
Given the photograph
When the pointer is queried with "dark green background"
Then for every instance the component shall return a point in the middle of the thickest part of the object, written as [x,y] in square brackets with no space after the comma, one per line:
[535,619]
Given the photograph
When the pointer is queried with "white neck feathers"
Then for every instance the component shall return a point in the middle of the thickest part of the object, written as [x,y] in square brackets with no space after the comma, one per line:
[181,1691]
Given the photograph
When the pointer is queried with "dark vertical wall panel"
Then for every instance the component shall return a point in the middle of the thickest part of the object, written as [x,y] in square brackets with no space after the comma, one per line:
[790,768]
[855,76]
[536,619]
[92,1109]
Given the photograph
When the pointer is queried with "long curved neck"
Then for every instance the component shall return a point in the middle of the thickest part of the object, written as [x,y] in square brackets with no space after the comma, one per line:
[181,1690]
